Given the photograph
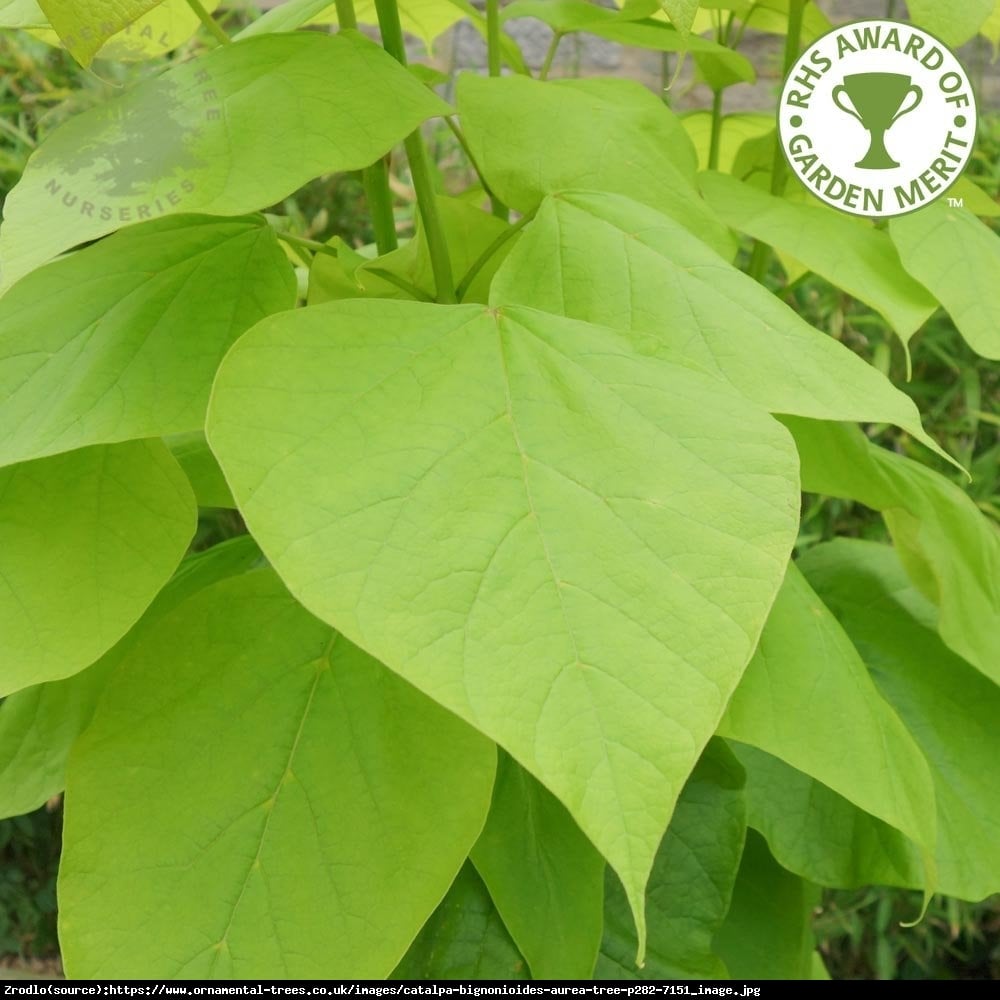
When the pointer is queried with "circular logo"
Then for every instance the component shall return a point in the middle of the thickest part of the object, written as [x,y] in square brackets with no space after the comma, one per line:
[877,118]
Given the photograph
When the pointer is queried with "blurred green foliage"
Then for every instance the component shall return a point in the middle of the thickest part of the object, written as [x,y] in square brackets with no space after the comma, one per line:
[29,857]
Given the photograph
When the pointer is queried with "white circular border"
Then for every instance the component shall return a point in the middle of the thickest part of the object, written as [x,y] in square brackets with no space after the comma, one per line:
[916,140]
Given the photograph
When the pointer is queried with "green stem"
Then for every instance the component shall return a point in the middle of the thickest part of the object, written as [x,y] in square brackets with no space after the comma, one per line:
[761,257]
[550,56]
[420,171]
[493,36]
[300,242]
[484,257]
[346,17]
[716,137]
[375,178]
[206,19]
[379,196]
[665,80]
[493,53]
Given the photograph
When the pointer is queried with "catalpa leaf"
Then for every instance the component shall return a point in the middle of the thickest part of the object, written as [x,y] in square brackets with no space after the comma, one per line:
[949,548]
[122,340]
[39,725]
[85,27]
[569,126]
[805,679]
[545,876]
[168,25]
[767,933]
[567,16]
[951,709]
[621,265]
[190,140]
[21,14]
[847,252]
[691,882]
[820,835]
[465,938]
[957,258]
[533,520]
[87,539]
[337,808]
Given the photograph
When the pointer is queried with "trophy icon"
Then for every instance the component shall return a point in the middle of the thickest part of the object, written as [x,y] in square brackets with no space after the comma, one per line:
[878,101]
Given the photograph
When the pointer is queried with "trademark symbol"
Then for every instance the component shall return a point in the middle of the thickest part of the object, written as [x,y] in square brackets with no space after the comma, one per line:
[956,203]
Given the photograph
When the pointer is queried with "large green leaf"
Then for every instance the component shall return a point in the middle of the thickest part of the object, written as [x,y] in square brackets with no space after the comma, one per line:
[846,251]
[957,258]
[819,834]
[951,709]
[691,882]
[621,265]
[233,131]
[804,681]
[532,519]
[569,126]
[953,21]
[122,340]
[767,933]
[545,876]
[85,27]
[950,549]
[39,725]
[283,805]
[464,939]
[87,539]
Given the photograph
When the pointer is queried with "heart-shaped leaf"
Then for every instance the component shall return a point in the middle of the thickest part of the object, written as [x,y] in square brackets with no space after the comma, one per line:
[534,520]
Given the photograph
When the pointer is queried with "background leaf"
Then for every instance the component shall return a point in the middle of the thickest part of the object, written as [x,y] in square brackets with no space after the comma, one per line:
[339,805]
[464,939]
[847,252]
[189,140]
[691,883]
[622,266]
[122,340]
[949,548]
[819,834]
[39,725]
[950,708]
[953,21]
[806,697]
[569,125]
[957,258]
[87,539]
[767,933]
[85,27]
[545,876]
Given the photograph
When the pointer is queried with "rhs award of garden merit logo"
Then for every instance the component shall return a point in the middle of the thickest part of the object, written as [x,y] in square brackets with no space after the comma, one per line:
[877,118]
